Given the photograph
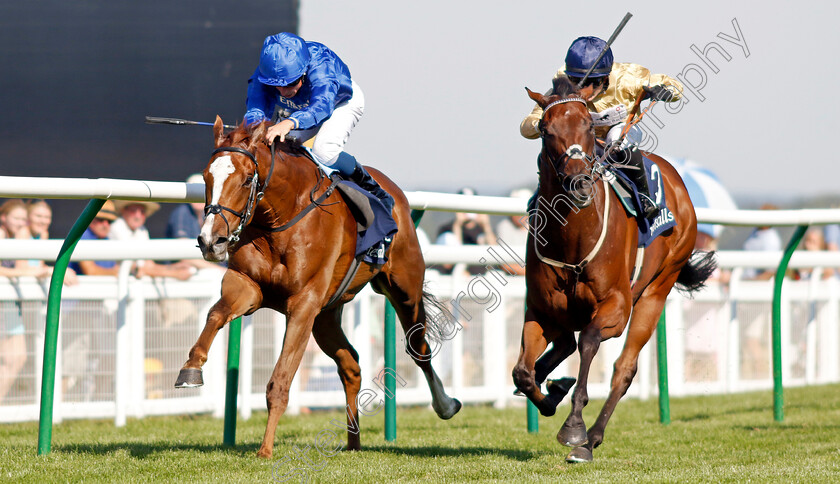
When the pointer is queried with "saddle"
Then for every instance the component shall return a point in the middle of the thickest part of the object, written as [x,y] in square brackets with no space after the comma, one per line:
[628,192]
[375,226]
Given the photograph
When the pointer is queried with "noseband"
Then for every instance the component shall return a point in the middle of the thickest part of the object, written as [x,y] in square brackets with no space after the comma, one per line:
[253,198]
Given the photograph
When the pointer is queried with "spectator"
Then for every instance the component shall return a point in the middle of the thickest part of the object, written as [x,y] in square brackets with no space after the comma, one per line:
[466,229]
[831,234]
[131,225]
[706,241]
[99,228]
[186,219]
[12,338]
[39,218]
[763,239]
[514,229]
[813,240]
[185,223]
[13,222]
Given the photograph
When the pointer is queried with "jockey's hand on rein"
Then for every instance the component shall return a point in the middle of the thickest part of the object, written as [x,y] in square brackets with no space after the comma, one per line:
[280,130]
[658,93]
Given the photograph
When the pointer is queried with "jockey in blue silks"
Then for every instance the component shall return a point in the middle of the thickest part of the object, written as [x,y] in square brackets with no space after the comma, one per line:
[316,95]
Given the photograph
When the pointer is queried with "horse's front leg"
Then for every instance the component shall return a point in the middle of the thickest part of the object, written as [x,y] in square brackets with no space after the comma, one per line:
[299,322]
[239,296]
[645,319]
[534,342]
[609,321]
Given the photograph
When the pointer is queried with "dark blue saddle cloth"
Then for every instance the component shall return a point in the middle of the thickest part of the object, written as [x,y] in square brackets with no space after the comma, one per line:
[375,224]
[649,229]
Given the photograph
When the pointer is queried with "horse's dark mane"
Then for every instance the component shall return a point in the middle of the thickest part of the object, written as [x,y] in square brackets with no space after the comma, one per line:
[564,87]
[243,132]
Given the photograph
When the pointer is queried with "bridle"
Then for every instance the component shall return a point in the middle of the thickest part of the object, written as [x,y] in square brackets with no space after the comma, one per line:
[576,151]
[257,194]
[254,197]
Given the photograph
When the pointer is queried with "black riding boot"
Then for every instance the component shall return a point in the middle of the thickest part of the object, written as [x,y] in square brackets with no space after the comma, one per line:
[635,169]
[361,177]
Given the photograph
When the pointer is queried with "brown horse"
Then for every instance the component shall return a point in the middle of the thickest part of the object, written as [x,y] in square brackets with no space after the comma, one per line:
[580,268]
[288,253]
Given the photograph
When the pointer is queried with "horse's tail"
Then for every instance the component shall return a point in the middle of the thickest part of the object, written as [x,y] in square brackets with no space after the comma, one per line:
[439,319]
[696,271]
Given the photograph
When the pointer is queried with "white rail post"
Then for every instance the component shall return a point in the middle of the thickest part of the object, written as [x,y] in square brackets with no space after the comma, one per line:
[246,366]
[122,348]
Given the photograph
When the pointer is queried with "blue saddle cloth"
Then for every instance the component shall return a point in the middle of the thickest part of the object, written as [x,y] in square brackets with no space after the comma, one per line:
[627,191]
[376,226]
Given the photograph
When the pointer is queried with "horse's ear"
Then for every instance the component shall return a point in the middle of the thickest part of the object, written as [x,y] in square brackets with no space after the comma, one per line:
[537,98]
[218,131]
[587,91]
[257,136]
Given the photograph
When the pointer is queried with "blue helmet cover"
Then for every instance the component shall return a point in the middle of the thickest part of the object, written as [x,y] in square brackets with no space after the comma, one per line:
[582,54]
[284,58]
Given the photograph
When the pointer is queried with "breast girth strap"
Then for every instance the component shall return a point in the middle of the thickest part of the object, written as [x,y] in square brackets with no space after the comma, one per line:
[578,268]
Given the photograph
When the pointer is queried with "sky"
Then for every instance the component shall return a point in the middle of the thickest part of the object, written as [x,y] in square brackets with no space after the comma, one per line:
[444,85]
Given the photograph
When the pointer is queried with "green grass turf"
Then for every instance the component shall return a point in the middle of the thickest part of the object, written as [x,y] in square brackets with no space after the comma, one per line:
[730,438]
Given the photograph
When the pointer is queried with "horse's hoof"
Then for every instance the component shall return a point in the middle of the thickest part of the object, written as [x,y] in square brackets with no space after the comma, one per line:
[579,455]
[572,436]
[446,414]
[189,378]
[264,454]
[558,389]
[518,392]
[548,406]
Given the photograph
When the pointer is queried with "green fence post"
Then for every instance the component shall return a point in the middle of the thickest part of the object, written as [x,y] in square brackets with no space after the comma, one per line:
[51,327]
[532,415]
[662,370]
[778,389]
[533,418]
[391,358]
[390,377]
[232,387]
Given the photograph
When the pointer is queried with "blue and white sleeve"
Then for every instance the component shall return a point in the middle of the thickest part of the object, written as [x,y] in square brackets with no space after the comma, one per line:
[260,101]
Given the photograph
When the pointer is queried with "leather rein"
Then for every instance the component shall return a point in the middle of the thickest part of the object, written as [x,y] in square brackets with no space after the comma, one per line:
[257,194]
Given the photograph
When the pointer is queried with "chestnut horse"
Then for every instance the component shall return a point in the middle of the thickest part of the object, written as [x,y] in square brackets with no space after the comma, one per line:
[580,268]
[284,255]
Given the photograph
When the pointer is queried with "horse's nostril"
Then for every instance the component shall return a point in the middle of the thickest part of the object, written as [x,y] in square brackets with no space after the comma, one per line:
[220,240]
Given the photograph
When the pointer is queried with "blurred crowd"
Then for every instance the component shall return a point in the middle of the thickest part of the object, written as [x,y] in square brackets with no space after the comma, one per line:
[123,220]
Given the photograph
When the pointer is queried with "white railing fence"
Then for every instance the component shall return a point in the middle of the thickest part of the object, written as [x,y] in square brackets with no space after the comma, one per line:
[122,342]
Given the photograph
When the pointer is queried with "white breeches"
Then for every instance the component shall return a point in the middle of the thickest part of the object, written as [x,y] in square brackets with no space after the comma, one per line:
[632,138]
[333,133]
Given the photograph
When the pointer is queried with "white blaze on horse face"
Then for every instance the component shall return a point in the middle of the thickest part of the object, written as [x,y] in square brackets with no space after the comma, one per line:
[575,152]
[221,168]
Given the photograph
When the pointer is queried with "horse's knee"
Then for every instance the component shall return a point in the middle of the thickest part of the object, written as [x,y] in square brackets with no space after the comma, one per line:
[276,396]
[523,378]
[580,397]
[352,379]
[623,376]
